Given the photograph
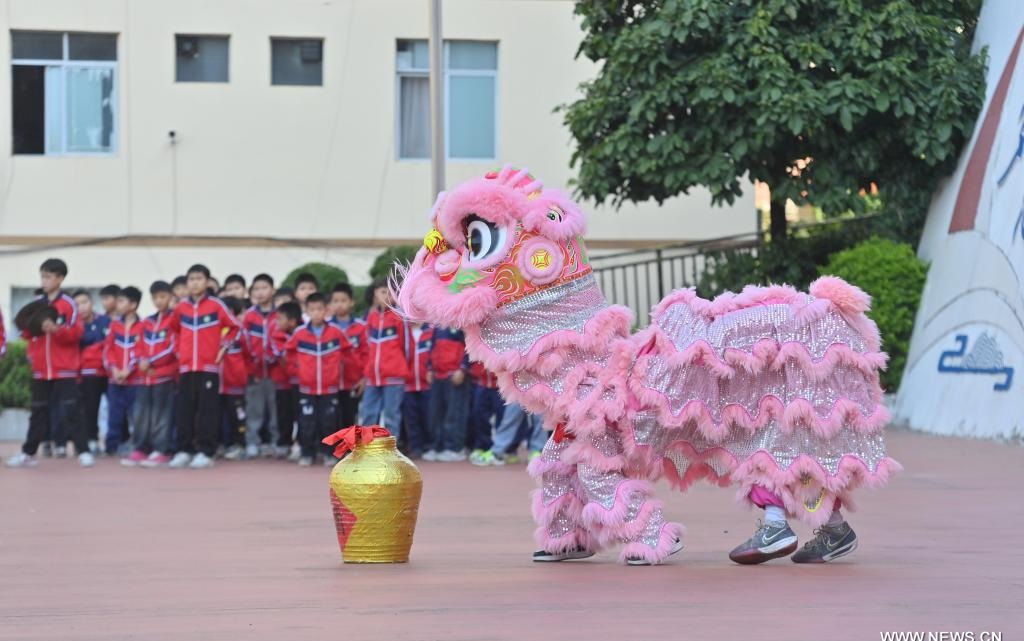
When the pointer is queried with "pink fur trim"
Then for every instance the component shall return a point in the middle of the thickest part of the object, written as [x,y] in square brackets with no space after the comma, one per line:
[489,199]
[594,514]
[538,275]
[670,533]
[424,297]
[581,451]
[572,222]
[846,297]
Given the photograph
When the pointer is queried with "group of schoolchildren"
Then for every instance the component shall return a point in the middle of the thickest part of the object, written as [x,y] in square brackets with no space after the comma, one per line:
[239,373]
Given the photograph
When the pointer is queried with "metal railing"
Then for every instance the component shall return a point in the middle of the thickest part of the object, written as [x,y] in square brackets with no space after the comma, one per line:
[639,279]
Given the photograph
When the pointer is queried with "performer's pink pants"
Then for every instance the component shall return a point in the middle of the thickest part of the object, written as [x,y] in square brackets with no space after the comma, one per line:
[763,497]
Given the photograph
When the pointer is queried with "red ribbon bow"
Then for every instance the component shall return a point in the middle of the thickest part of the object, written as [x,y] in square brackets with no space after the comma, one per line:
[348,438]
[561,434]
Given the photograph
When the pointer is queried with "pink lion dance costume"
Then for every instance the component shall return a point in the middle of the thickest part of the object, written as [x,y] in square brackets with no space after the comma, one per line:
[774,390]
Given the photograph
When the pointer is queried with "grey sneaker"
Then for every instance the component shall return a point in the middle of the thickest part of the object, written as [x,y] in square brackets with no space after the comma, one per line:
[828,544]
[769,542]
[542,556]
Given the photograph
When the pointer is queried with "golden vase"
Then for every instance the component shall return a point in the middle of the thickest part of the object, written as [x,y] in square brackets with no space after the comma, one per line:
[375,495]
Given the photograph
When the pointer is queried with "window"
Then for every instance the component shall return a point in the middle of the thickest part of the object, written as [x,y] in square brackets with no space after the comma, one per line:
[63,97]
[296,61]
[471,70]
[201,58]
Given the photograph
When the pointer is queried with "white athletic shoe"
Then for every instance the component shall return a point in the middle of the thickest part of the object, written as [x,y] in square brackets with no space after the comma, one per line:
[448,456]
[200,461]
[180,460]
[295,454]
[430,455]
[252,451]
[22,459]
[234,453]
[86,459]
[305,461]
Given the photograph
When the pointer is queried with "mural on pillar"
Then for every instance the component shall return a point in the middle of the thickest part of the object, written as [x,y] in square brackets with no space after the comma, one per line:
[969,332]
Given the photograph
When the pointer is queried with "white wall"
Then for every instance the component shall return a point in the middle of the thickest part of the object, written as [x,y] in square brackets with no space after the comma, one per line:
[975,287]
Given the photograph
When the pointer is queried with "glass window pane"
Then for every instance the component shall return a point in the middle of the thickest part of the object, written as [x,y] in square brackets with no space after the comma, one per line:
[412,55]
[414,117]
[201,58]
[92,46]
[37,45]
[90,105]
[53,112]
[27,109]
[472,55]
[471,117]
[296,62]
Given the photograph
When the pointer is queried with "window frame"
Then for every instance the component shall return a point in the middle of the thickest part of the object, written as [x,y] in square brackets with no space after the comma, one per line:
[447,74]
[64,63]
[225,36]
[323,60]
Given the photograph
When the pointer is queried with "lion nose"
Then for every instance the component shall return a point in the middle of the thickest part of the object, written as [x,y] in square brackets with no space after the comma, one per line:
[447,264]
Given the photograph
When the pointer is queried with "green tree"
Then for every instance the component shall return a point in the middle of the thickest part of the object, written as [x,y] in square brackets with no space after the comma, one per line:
[384,263]
[327,275]
[894,278]
[819,99]
[15,377]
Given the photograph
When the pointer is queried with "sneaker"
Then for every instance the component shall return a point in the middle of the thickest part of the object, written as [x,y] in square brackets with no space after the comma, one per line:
[280,452]
[86,459]
[635,560]
[770,541]
[46,450]
[542,556]
[200,461]
[330,461]
[155,459]
[475,456]
[124,449]
[512,459]
[60,452]
[295,454]
[252,451]
[22,459]
[448,456]
[219,452]
[305,461]
[487,458]
[430,455]
[534,454]
[180,460]
[828,544]
[234,453]
[94,447]
[136,457]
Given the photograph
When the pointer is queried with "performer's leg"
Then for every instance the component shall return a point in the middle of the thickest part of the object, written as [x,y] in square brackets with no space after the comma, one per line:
[557,507]
[831,541]
[621,508]
[773,538]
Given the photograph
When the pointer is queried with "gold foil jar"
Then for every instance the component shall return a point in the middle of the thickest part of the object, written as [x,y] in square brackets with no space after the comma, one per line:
[375,495]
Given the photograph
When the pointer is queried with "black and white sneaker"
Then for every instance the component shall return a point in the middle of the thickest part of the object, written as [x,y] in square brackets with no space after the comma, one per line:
[636,560]
[828,544]
[771,541]
[542,556]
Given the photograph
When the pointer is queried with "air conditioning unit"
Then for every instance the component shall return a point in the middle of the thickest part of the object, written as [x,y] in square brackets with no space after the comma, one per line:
[188,46]
[311,50]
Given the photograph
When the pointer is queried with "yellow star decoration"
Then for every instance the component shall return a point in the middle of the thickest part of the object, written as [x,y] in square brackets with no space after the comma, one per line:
[541,259]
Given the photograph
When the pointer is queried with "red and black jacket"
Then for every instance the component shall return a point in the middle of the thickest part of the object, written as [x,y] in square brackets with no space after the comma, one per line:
[278,367]
[94,335]
[448,353]
[259,326]
[159,347]
[389,344]
[122,348]
[236,367]
[57,355]
[482,376]
[203,326]
[419,362]
[316,360]
[354,360]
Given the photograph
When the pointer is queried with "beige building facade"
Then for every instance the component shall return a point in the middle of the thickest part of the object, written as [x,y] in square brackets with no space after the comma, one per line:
[299,130]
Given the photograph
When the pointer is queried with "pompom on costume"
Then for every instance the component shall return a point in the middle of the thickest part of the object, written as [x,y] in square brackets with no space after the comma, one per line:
[773,390]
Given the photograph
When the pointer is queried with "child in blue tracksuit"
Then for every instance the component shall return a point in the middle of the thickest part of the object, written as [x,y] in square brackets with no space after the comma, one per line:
[449,395]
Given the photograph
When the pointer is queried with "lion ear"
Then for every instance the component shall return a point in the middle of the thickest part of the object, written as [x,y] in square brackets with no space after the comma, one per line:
[554,215]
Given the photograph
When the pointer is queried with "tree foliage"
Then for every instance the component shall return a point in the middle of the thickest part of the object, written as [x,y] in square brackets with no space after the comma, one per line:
[327,275]
[384,263]
[703,92]
[15,377]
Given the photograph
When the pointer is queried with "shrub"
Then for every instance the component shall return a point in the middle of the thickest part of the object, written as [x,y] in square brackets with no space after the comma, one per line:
[384,263]
[327,275]
[15,376]
[894,277]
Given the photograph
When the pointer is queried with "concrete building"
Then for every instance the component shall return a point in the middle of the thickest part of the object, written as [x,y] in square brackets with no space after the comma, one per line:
[140,136]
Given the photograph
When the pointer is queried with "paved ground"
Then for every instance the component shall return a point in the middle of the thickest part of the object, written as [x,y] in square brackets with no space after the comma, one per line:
[247,551]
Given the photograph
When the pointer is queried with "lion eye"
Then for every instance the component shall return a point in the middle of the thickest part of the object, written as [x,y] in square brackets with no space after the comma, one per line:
[483,238]
[555,214]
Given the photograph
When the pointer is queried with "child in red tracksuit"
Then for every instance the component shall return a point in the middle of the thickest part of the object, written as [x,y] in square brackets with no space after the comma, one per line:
[389,346]
[449,395]
[154,399]
[236,369]
[287,318]
[416,401]
[200,322]
[314,354]
[121,352]
[54,356]
[260,395]
[354,360]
